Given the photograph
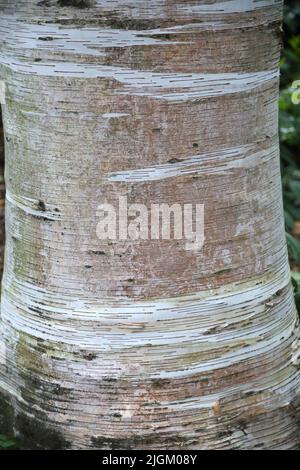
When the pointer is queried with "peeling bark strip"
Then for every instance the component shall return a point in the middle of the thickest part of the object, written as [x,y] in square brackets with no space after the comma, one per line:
[145,344]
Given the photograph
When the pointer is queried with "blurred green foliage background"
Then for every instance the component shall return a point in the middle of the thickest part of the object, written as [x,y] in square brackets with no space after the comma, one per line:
[289,126]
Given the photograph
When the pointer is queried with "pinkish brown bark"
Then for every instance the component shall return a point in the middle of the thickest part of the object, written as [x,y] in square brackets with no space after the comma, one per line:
[145,344]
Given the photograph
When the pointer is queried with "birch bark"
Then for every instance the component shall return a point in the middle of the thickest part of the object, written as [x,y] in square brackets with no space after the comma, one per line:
[2,198]
[145,344]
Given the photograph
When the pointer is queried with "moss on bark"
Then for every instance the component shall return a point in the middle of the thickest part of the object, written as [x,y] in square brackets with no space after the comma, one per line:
[30,432]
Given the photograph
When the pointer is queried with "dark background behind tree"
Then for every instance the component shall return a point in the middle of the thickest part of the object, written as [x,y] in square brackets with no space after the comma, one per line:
[289,122]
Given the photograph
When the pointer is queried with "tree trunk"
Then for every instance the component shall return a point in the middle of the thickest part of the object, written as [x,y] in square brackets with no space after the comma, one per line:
[145,344]
[2,198]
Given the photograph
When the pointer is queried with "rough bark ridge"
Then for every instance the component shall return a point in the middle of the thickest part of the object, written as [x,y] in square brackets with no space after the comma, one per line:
[145,344]
[2,198]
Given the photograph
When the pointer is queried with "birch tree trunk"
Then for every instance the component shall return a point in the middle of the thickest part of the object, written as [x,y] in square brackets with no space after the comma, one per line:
[145,344]
[2,198]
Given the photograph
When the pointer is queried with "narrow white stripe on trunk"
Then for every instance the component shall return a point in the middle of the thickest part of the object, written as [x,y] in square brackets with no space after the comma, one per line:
[229,6]
[246,156]
[31,206]
[72,41]
[164,86]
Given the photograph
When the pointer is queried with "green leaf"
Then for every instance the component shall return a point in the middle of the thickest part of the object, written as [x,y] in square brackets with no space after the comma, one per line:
[293,247]
[289,220]
[6,443]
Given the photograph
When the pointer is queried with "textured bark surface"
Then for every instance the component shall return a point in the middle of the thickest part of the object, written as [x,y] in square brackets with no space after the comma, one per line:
[2,198]
[145,344]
